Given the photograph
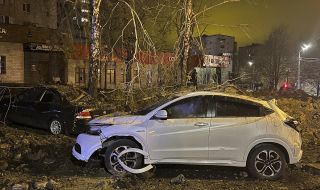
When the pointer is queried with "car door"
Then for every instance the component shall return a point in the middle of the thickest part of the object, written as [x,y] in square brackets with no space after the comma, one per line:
[48,107]
[22,108]
[234,124]
[183,136]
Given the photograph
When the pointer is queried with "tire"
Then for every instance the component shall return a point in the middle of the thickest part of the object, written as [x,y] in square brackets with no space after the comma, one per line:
[113,149]
[56,127]
[267,162]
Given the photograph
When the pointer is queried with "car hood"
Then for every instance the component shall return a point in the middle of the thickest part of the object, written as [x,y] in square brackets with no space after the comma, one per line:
[122,120]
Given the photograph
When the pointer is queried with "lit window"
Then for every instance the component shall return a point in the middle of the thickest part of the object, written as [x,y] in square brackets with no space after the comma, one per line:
[111,76]
[2,65]
[84,20]
[80,76]
[84,10]
[123,75]
[26,7]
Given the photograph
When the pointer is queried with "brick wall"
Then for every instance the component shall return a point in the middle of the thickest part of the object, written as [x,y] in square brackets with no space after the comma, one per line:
[14,62]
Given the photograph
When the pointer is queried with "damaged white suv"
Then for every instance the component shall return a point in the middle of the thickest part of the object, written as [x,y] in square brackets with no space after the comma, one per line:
[205,128]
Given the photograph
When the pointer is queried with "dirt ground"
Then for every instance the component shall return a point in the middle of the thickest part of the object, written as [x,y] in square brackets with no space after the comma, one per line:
[33,159]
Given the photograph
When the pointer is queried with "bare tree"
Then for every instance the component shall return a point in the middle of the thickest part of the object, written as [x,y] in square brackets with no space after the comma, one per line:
[274,56]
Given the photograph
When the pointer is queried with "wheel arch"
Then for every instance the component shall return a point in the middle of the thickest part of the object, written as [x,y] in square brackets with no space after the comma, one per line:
[133,138]
[279,144]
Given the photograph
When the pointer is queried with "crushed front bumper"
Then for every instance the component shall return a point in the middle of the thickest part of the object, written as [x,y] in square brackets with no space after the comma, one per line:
[85,146]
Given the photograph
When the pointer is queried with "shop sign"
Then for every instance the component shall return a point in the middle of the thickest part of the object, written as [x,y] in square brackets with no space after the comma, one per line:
[40,47]
[216,61]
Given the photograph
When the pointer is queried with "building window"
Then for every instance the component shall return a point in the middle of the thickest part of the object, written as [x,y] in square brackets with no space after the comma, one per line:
[4,19]
[123,75]
[2,2]
[26,7]
[2,65]
[80,76]
[111,76]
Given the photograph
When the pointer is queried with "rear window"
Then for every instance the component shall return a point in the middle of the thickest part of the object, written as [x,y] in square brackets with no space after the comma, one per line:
[233,107]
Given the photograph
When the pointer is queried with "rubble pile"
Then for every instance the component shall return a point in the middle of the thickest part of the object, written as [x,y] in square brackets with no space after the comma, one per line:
[307,112]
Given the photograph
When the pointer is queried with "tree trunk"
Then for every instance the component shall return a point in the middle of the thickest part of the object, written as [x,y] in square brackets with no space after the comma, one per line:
[184,46]
[94,50]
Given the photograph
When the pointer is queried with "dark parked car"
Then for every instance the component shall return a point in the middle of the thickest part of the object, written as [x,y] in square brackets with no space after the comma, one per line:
[46,108]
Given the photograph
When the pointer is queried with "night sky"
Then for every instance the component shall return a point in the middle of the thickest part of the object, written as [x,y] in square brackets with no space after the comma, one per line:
[301,16]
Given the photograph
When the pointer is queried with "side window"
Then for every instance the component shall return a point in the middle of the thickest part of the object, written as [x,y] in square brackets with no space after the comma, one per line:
[50,97]
[193,107]
[232,107]
[30,95]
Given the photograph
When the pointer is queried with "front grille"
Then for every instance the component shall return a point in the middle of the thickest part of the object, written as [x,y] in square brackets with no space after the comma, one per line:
[77,148]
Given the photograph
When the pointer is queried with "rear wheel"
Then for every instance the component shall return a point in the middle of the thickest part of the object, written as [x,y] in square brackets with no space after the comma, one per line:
[55,127]
[131,159]
[267,162]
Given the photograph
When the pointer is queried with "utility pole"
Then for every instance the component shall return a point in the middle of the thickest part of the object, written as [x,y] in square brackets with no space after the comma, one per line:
[94,50]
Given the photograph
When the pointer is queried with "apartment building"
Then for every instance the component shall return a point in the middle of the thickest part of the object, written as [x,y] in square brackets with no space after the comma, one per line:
[213,57]
[28,42]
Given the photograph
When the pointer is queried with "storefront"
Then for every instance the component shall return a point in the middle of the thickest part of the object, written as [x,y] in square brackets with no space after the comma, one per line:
[31,63]
[43,64]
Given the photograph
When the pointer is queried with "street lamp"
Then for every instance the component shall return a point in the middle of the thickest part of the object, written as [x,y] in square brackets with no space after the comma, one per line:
[304,47]
[250,63]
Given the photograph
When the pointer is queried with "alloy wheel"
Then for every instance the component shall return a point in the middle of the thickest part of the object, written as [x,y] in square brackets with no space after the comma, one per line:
[268,163]
[55,127]
[129,159]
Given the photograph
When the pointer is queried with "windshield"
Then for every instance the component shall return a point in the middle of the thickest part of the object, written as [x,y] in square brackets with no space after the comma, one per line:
[147,109]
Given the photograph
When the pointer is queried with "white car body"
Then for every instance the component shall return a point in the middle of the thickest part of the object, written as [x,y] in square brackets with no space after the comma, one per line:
[224,141]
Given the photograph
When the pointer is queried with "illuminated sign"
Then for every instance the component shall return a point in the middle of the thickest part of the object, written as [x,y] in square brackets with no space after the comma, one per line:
[40,47]
[216,61]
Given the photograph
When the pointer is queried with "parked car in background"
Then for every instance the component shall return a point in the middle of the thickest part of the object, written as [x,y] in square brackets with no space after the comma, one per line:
[203,128]
[46,108]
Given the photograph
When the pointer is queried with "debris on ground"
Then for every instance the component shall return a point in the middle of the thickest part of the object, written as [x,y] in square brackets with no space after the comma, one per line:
[180,179]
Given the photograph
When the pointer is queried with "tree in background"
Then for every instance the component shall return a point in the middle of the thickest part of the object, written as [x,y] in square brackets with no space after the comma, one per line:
[274,56]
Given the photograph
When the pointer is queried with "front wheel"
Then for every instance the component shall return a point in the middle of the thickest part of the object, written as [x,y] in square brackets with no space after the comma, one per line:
[131,159]
[267,162]
[55,127]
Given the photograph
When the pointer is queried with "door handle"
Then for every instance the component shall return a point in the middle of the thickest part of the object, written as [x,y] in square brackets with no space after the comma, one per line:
[201,124]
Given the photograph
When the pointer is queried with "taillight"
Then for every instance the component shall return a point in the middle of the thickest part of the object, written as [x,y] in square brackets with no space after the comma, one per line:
[293,124]
[85,114]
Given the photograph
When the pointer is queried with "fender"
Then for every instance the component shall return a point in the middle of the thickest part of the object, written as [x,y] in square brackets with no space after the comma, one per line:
[137,137]
[269,140]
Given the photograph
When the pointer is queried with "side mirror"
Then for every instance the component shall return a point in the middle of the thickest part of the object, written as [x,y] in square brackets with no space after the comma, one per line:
[161,114]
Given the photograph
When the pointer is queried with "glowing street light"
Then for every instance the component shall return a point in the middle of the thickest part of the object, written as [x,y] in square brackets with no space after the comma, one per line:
[304,48]
[250,63]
